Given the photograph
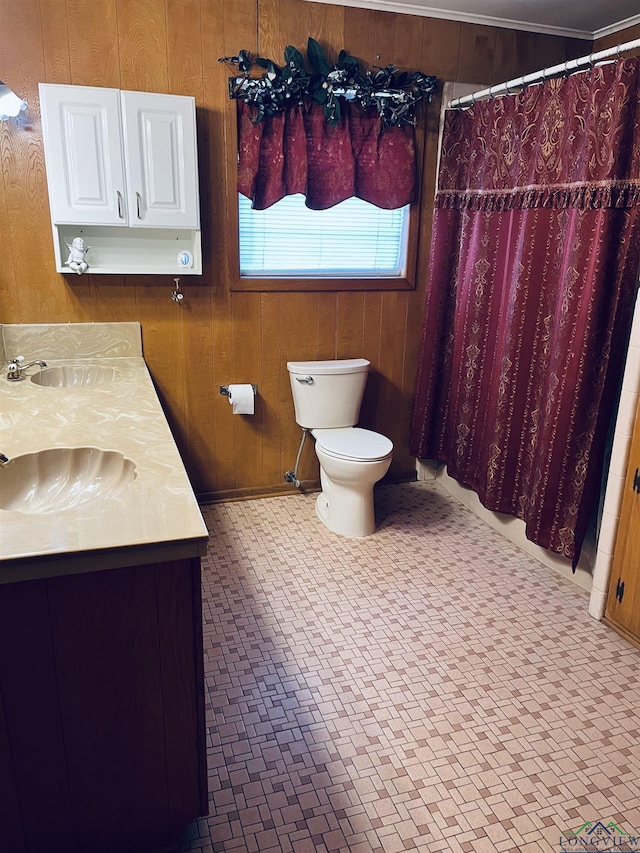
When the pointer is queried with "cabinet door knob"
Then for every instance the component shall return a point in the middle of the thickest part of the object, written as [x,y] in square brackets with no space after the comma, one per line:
[138,201]
[119,195]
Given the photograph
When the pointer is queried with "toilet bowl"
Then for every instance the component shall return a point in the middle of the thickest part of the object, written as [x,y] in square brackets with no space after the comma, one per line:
[327,396]
[352,460]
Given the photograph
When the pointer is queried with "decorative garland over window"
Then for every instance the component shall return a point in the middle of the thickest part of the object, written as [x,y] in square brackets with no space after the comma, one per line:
[393,95]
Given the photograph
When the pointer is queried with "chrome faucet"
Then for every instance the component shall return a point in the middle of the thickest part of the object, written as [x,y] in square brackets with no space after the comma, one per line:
[16,368]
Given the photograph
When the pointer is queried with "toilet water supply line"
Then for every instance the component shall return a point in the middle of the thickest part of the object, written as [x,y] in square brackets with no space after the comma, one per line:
[292,476]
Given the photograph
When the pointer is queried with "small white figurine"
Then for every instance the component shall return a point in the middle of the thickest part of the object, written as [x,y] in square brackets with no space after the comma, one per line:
[77,251]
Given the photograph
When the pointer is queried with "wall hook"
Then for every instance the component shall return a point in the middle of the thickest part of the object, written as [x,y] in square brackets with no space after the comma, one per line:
[175,294]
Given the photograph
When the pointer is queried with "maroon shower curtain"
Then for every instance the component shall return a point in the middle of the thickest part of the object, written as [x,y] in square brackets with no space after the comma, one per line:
[297,151]
[534,262]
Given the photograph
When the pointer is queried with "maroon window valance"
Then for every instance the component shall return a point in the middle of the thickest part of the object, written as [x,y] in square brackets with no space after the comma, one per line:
[297,151]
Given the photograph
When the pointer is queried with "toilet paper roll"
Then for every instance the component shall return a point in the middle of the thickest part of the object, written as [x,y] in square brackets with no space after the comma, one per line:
[242,399]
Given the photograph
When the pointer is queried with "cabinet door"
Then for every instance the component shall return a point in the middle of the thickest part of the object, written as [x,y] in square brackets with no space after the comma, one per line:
[623,602]
[161,156]
[82,137]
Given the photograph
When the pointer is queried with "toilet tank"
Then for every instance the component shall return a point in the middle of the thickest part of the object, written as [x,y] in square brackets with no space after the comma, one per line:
[333,397]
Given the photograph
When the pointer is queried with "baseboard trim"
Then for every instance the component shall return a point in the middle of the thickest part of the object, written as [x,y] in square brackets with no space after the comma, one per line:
[256,492]
[252,493]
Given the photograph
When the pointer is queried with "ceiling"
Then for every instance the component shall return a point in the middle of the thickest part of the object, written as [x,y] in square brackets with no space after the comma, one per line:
[575,18]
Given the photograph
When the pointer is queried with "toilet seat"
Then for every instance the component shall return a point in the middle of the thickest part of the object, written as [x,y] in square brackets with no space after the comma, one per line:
[353,443]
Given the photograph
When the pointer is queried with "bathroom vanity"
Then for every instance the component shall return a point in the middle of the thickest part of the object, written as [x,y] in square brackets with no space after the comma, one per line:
[102,736]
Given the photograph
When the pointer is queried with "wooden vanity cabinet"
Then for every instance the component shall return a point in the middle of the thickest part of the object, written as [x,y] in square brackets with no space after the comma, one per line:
[102,734]
[623,601]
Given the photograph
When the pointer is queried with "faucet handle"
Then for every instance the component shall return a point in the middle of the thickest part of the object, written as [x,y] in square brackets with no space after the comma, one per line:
[14,371]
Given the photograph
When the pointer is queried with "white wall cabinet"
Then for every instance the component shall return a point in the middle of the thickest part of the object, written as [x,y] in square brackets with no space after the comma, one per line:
[122,173]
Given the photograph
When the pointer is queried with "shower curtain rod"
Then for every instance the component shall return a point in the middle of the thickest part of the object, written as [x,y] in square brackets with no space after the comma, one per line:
[569,67]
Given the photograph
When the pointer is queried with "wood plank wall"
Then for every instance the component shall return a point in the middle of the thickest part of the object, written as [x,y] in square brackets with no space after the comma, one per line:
[216,337]
[622,36]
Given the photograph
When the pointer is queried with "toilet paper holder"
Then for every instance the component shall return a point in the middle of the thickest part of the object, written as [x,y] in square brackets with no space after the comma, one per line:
[224,389]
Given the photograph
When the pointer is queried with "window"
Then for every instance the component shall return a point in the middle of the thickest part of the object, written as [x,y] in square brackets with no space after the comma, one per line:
[353,239]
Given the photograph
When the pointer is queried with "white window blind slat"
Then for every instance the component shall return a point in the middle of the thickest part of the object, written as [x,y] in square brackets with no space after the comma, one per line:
[354,239]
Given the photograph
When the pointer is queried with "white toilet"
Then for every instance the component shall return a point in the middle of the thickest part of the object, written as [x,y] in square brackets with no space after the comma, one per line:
[327,396]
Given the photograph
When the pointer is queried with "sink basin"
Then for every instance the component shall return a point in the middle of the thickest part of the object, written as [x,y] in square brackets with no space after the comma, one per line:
[62,477]
[74,375]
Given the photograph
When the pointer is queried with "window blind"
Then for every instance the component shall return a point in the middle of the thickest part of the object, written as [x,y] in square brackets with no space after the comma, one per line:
[353,239]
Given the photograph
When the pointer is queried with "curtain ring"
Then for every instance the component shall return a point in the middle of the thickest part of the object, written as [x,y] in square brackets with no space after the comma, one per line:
[507,90]
[591,62]
[473,99]
[491,95]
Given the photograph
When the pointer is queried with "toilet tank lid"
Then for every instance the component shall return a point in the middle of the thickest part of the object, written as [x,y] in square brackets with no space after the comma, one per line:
[340,365]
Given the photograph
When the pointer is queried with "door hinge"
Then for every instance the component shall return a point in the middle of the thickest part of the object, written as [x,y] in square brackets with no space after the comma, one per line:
[636,482]
[620,590]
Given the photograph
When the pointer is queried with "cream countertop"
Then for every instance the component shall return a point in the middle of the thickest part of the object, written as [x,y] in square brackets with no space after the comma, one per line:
[155,518]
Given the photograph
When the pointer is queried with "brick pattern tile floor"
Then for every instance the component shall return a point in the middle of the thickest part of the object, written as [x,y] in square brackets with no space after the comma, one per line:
[428,688]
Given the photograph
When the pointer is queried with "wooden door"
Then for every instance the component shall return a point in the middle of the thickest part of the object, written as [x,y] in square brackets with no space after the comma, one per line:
[83,151]
[161,158]
[623,602]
